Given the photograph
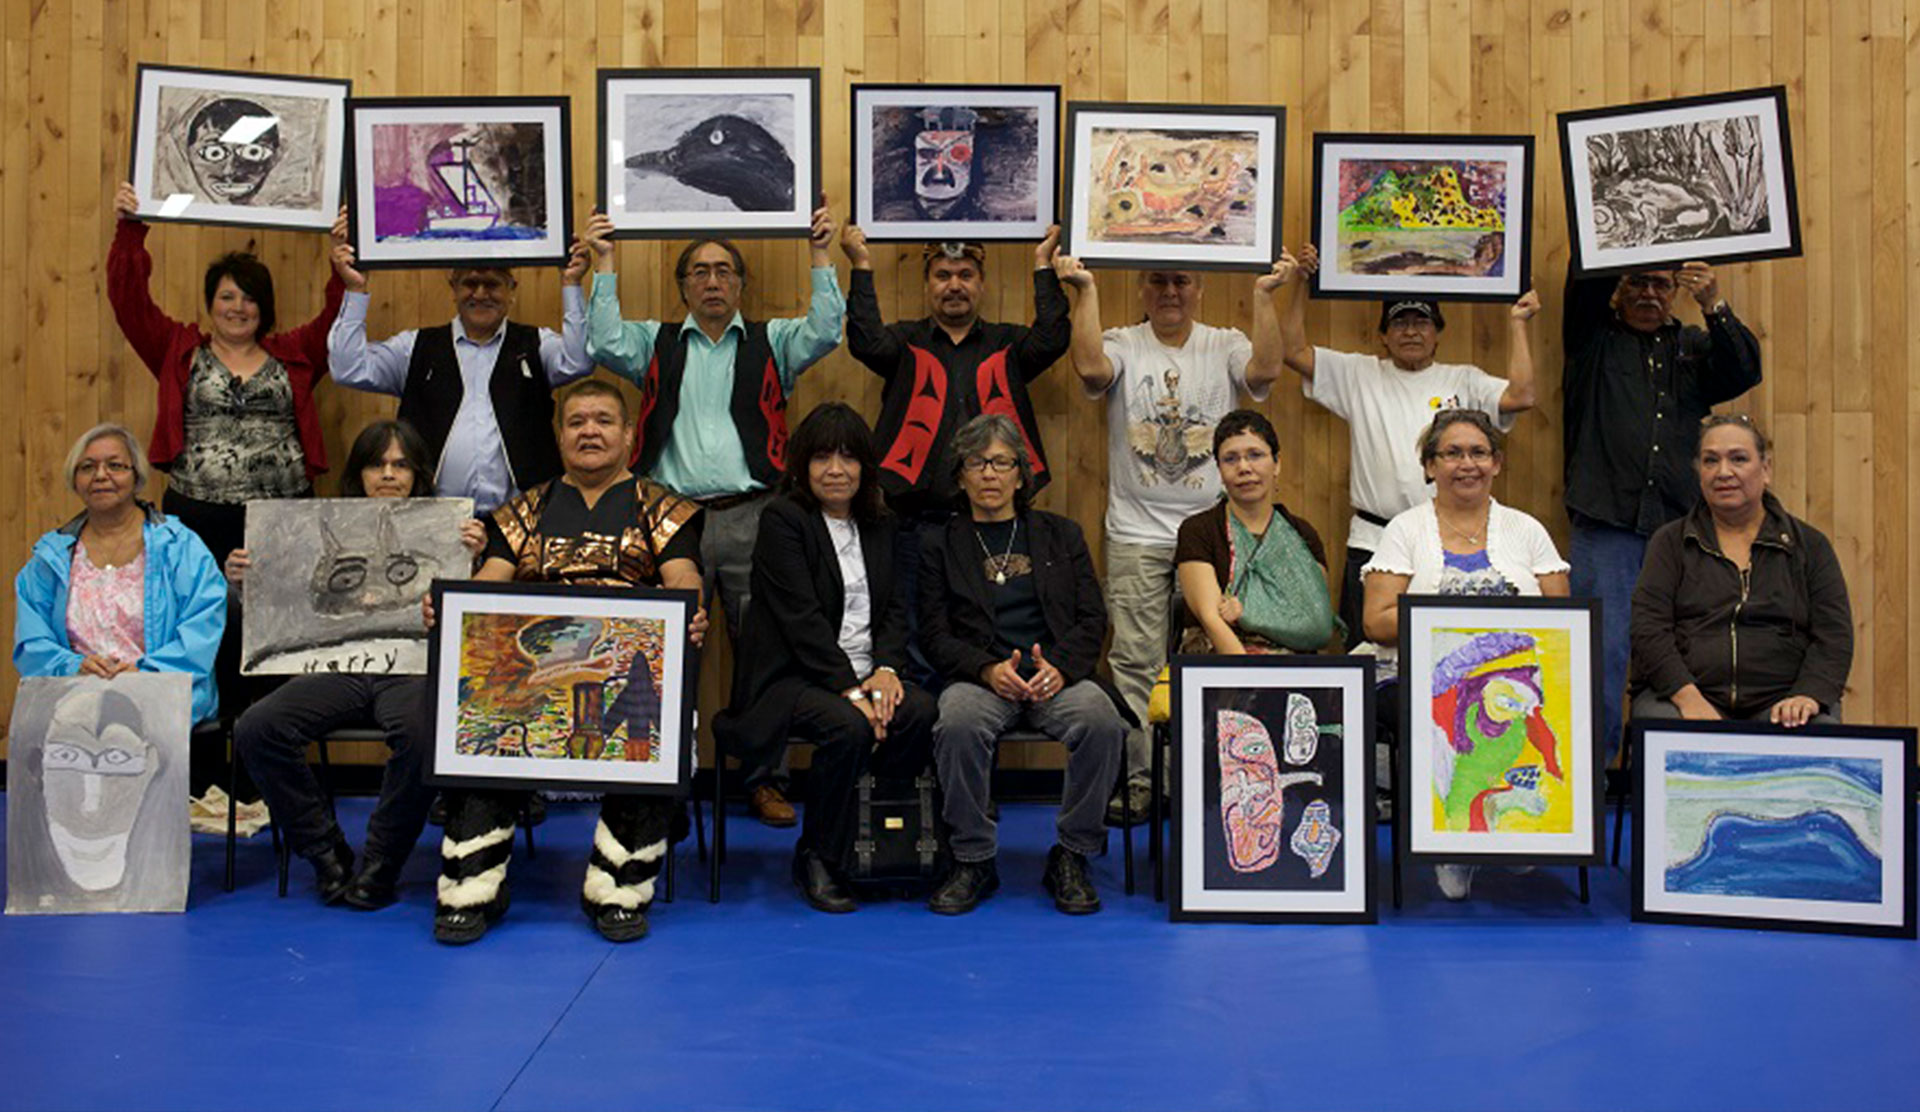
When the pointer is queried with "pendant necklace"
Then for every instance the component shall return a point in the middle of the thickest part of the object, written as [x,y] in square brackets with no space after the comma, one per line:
[999,575]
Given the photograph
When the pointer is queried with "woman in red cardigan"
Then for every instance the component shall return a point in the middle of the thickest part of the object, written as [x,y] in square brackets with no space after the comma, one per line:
[236,413]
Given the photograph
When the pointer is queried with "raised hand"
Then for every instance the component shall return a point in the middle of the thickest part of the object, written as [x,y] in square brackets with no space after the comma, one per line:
[1043,254]
[126,203]
[1698,279]
[599,239]
[1309,259]
[1071,271]
[343,260]
[578,259]
[1284,269]
[1526,307]
[853,244]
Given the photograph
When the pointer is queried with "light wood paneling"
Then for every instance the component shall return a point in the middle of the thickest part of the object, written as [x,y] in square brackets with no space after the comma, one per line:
[1839,345]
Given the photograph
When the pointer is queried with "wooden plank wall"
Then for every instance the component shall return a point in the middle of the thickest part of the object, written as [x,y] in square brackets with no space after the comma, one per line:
[1842,392]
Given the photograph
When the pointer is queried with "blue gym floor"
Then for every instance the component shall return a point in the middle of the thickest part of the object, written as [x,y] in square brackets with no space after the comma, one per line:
[1520,998]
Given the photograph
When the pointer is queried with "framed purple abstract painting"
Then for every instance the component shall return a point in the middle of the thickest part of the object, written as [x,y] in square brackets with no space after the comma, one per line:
[460,181]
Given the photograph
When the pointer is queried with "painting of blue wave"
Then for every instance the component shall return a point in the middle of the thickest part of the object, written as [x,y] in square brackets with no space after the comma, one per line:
[1812,857]
[1771,826]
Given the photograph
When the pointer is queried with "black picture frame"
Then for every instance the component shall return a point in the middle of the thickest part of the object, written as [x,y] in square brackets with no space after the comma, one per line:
[1514,153]
[550,602]
[1816,744]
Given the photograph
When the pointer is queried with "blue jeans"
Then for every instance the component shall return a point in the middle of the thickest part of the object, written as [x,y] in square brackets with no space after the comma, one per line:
[1606,565]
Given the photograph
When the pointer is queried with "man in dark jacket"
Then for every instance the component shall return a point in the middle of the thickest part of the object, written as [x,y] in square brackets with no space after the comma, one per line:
[1013,619]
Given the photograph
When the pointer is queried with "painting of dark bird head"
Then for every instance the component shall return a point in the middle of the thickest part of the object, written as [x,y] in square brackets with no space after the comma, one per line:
[335,584]
[710,152]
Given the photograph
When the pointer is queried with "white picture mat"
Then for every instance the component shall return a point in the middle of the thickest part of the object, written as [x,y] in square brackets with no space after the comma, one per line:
[614,158]
[1652,828]
[147,127]
[1595,257]
[554,242]
[1416,688]
[1518,217]
[1045,104]
[456,605]
[1357,808]
[1266,129]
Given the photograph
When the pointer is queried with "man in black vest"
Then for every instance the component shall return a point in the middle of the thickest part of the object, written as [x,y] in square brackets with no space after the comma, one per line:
[480,389]
[713,407]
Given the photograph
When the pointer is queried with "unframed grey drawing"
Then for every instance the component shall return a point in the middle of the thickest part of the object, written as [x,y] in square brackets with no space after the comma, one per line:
[97,794]
[335,584]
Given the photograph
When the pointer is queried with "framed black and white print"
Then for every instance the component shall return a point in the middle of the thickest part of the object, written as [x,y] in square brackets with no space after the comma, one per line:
[966,162]
[252,149]
[453,181]
[1442,216]
[1273,789]
[546,685]
[1176,186]
[1741,824]
[1657,184]
[730,152]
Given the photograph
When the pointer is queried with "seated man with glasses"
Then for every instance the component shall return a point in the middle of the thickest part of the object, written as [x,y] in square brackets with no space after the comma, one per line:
[713,409]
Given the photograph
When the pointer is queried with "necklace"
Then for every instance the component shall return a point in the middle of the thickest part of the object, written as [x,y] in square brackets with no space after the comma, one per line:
[1470,538]
[1001,562]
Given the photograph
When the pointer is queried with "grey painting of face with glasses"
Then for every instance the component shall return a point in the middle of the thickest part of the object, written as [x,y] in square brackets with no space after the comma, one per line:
[335,585]
[257,150]
[96,773]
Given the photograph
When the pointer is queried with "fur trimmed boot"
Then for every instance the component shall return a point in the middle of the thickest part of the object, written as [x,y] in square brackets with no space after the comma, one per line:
[474,852]
[629,849]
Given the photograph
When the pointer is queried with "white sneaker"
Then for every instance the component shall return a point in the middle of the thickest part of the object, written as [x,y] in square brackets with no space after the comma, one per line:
[1455,880]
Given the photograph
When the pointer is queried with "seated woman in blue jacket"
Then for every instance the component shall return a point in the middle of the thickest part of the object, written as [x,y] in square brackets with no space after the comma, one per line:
[122,587]
[823,643]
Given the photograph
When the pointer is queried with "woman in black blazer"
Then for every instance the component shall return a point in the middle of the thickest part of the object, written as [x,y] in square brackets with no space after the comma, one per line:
[822,644]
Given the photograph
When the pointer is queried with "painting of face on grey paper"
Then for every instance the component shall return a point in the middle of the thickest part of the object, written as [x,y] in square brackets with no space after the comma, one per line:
[335,584]
[256,149]
[97,794]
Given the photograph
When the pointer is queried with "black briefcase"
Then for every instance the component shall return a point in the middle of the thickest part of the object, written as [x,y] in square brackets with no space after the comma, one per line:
[898,836]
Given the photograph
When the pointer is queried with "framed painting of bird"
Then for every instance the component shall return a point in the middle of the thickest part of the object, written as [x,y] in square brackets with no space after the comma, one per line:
[733,152]
[1273,788]
[1496,758]
[955,162]
[460,181]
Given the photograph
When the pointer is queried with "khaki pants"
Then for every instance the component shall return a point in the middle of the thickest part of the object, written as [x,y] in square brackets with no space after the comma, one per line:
[1140,583]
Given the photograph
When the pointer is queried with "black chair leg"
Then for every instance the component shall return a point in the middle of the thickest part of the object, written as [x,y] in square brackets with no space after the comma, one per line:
[1126,823]
[326,780]
[1619,824]
[526,823]
[1399,815]
[282,857]
[699,829]
[1156,782]
[719,827]
[669,870]
[233,800]
[1583,884]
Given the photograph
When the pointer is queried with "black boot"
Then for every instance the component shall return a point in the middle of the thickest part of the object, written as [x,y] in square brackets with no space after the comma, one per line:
[819,886]
[967,883]
[332,869]
[1069,883]
[375,885]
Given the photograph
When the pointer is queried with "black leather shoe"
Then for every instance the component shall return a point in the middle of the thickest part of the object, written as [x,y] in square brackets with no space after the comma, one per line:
[967,883]
[333,870]
[375,885]
[457,926]
[620,924]
[818,884]
[1068,882]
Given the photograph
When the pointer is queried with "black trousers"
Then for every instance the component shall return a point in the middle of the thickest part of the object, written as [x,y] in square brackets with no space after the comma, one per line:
[272,739]
[1353,596]
[844,750]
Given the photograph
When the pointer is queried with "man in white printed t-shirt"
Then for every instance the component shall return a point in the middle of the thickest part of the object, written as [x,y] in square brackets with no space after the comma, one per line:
[1386,402]
[1167,380]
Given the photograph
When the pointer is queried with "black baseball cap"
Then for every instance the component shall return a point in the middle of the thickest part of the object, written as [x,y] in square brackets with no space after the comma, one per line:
[1428,309]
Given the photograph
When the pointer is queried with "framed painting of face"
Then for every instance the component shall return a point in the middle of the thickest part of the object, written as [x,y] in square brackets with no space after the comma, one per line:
[1439,216]
[1273,789]
[547,685]
[1497,762]
[968,162]
[1159,186]
[726,152]
[460,181]
[1740,824]
[1657,184]
[222,147]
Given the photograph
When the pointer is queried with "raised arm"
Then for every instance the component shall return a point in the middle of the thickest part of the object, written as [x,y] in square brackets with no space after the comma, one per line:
[129,267]
[1089,348]
[1520,394]
[800,342]
[623,347]
[563,355]
[868,337]
[1296,352]
[1047,339]
[1269,339]
[1733,352]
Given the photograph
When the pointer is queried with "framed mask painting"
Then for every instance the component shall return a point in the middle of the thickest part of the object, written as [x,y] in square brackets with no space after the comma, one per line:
[967,162]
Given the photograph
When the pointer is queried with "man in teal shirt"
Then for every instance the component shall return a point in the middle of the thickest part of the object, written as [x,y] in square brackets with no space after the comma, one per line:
[713,399]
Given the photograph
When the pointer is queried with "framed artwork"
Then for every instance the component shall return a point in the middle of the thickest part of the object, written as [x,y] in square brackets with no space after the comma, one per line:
[1657,184]
[955,162]
[1742,824]
[335,583]
[460,181]
[1273,789]
[96,787]
[561,686]
[1440,216]
[1176,186]
[1498,702]
[730,152]
[254,149]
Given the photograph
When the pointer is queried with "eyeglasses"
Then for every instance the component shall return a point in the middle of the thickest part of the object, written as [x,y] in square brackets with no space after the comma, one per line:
[1410,322]
[719,272]
[113,467]
[1457,454]
[1000,464]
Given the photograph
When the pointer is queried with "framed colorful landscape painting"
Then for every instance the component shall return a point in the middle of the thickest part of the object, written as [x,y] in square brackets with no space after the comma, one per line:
[544,685]
[1657,184]
[1498,702]
[1439,216]
[460,181]
[1752,825]
[1174,186]
[1273,789]
[965,162]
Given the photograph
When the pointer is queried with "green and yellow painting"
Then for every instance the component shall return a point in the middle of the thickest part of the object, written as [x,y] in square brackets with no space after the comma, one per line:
[1423,217]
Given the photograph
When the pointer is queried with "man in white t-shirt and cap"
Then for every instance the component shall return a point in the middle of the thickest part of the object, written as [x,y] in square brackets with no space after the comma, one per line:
[1167,380]
[1387,400]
